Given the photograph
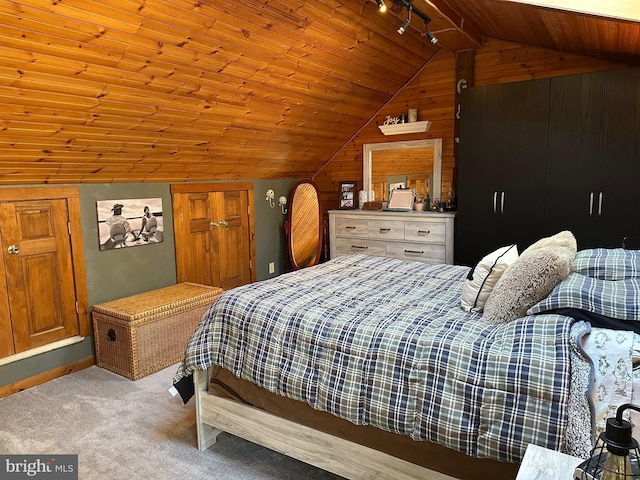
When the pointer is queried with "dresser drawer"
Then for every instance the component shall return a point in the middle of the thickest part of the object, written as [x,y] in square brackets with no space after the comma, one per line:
[346,246]
[386,229]
[351,227]
[417,251]
[425,231]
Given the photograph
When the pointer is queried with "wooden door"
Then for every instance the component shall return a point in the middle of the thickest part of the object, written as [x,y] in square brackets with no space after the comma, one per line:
[380,189]
[420,183]
[192,216]
[39,273]
[213,226]
[234,249]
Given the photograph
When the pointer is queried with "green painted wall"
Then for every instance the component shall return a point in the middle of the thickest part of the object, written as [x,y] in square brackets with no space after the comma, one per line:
[113,274]
[269,224]
[122,272]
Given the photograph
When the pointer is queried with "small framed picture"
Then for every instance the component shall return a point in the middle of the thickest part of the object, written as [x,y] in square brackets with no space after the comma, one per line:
[401,200]
[347,198]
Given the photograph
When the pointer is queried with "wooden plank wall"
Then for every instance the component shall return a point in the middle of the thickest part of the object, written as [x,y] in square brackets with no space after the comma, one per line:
[433,92]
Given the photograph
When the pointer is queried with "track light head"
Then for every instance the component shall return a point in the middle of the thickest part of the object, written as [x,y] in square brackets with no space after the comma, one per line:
[381,5]
[404,26]
[406,23]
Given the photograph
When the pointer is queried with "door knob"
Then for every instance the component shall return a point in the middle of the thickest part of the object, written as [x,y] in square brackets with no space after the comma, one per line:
[223,223]
[13,249]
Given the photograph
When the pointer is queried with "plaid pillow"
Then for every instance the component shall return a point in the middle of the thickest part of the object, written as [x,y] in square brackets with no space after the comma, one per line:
[616,299]
[608,263]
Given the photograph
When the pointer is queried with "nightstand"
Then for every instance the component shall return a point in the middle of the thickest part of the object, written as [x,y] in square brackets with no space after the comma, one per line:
[543,464]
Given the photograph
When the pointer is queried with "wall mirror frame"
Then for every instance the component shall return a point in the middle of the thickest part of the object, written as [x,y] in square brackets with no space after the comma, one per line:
[304,226]
[368,159]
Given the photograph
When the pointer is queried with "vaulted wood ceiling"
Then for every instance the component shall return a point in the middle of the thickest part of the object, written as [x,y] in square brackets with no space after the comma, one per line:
[600,37]
[177,90]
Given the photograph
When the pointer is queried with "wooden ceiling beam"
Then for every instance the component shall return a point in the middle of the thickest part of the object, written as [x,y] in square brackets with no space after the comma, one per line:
[451,28]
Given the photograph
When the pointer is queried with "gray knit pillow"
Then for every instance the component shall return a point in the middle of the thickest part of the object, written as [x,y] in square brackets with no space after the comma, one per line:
[531,278]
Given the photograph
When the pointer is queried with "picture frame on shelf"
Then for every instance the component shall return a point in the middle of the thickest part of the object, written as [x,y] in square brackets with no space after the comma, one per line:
[401,200]
[347,195]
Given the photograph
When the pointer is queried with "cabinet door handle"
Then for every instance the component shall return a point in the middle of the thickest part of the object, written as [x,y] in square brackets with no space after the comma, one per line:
[223,223]
[415,252]
[358,247]
[214,223]
[495,202]
[350,227]
[502,203]
[385,230]
[424,232]
[600,198]
[591,204]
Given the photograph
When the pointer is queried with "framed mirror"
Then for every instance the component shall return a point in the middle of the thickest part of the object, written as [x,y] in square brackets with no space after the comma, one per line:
[410,164]
[304,226]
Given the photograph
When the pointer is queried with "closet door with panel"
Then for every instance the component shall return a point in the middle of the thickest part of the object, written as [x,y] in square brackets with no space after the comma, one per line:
[593,157]
[214,234]
[501,172]
[43,293]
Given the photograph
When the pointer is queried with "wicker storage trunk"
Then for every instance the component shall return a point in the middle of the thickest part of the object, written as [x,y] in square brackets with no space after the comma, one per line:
[141,334]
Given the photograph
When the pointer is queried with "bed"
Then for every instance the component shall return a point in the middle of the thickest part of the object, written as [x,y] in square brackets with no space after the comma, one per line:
[369,367]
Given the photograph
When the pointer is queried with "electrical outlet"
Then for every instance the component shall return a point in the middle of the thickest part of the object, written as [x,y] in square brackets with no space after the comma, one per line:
[272,267]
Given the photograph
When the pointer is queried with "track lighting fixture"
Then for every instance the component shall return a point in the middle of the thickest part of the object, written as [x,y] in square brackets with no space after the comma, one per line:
[406,23]
[382,6]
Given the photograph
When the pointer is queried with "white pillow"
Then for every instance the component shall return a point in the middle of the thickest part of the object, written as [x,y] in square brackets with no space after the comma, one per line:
[484,275]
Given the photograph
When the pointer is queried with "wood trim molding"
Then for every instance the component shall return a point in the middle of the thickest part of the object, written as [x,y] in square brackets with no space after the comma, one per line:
[210,187]
[44,377]
[79,266]
[37,193]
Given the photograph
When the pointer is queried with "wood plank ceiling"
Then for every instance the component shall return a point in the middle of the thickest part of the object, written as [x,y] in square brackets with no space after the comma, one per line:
[610,39]
[179,90]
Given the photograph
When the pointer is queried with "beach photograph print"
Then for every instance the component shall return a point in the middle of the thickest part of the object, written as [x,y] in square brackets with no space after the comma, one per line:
[129,222]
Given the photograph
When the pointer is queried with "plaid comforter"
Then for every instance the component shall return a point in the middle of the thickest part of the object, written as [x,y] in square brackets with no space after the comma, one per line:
[384,342]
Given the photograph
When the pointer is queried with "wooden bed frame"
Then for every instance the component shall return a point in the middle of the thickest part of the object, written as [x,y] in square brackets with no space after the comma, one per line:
[215,415]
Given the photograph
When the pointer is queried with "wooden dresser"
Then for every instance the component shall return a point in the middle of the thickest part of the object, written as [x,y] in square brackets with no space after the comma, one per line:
[422,236]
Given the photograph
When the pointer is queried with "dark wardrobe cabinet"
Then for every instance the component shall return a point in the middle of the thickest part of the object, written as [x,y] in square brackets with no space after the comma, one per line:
[501,171]
[593,160]
[542,156]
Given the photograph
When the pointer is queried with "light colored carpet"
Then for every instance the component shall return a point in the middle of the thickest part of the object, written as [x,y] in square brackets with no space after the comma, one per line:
[124,430]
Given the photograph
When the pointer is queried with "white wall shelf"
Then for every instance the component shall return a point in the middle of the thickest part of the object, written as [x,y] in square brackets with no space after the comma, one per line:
[413,127]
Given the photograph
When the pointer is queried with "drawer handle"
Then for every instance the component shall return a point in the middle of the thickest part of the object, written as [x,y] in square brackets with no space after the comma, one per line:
[414,252]
[385,230]
[424,232]
[349,227]
[358,247]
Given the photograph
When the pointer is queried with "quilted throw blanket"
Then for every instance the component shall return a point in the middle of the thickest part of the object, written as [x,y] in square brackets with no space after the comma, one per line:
[384,342]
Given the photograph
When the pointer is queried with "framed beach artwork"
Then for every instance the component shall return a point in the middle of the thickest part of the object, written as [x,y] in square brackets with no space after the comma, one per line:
[129,222]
